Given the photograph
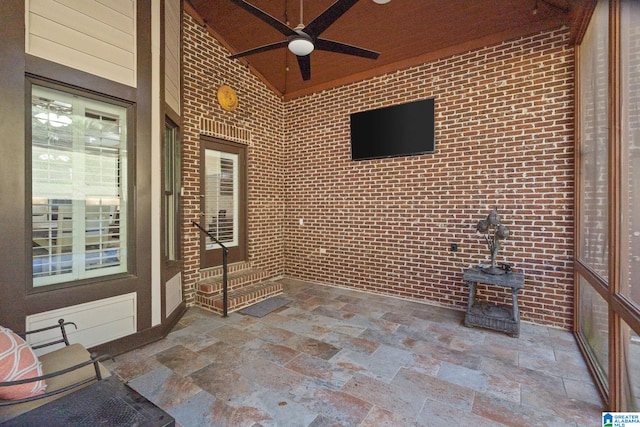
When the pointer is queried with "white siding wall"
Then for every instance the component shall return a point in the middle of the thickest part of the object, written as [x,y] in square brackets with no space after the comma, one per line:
[98,321]
[95,36]
[174,293]
[172,54]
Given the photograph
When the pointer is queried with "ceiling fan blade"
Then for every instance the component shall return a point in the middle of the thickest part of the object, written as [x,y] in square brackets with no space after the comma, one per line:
[328,17]
[259,49]
[304,62]
[280,26]
[347,49]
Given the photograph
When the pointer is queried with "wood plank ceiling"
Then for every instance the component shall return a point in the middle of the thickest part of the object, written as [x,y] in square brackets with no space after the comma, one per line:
[405,32]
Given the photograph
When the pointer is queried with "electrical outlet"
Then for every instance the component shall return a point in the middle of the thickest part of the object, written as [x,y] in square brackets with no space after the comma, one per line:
[454,247]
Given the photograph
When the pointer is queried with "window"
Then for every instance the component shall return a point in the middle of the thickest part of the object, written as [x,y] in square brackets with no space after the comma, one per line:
[592,221]
[593,154]
[79,187]
[172,185]
[594,325]
[608,216]
[630,141]
[630,368]
[630,200]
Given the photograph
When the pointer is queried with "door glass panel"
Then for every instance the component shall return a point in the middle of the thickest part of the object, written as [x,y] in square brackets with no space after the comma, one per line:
[594,324]
[221,197]
[630,133]
[593,150]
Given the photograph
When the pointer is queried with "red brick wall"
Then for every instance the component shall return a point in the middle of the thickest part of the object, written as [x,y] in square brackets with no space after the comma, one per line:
[504,130]
[261,112]
[504,137]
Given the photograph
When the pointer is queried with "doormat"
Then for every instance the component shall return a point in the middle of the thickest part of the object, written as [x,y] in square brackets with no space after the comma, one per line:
[265,307]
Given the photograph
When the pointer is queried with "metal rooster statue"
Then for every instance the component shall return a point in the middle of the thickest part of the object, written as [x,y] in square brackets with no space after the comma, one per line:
[495,233]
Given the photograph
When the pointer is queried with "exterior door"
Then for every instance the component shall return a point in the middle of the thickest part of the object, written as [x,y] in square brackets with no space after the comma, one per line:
[222,201]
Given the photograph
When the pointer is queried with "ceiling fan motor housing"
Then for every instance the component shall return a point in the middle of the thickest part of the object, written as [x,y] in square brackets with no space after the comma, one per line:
[301,44]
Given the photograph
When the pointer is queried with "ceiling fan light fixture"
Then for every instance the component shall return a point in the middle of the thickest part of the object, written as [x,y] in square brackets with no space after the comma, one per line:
[381,1]
[300,46]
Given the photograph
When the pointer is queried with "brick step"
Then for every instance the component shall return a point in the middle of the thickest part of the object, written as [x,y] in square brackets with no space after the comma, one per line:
[240,298]
[212,272]
[212,286]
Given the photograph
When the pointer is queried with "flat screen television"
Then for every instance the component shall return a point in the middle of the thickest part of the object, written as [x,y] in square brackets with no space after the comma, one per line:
[399,130]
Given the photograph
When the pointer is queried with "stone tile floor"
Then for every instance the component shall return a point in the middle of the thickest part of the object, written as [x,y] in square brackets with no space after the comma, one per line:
[336,357]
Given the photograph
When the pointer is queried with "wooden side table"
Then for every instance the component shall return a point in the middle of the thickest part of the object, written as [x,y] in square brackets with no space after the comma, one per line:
[492,316]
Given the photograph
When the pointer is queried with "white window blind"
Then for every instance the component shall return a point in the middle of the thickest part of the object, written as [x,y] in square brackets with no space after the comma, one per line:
[79,181]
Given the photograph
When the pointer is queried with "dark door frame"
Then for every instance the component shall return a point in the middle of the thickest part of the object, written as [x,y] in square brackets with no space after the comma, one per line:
[213,258]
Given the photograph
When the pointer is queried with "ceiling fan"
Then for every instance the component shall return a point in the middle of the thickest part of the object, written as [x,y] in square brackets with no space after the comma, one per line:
[302,40]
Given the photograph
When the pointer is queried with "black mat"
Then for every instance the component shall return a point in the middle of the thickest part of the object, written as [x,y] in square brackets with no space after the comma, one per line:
[265,307]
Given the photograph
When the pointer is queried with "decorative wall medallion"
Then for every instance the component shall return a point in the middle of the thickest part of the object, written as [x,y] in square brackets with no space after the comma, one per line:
[227,98]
